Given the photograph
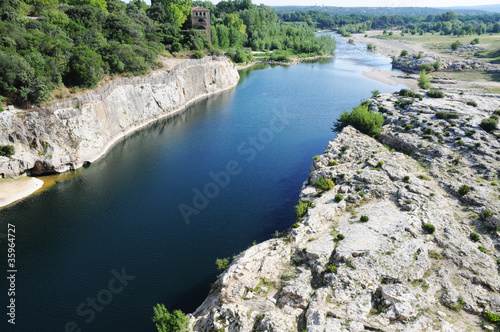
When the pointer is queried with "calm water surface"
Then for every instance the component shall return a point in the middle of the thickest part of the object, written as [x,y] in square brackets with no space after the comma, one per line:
[122,213]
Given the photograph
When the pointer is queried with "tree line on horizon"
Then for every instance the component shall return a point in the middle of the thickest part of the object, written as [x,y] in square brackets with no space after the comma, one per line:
[447,23]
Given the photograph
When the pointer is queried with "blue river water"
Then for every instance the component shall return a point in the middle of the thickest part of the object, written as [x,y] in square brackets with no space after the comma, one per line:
[145,224]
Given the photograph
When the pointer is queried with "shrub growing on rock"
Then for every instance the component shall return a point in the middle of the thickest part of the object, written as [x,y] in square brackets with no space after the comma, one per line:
[198,54]
[362,119]
[340,237]
[406,93]
[487,214]
[464,190]
[404,53]
[324,184]
[222,263]
[434,93]
[169,322]
[436,65]
[489,124]
[445,115]
[426,66]
[474,237]
[429,228]
[338,198]
[472,103]
[301,209]
[7,150]
[364,218]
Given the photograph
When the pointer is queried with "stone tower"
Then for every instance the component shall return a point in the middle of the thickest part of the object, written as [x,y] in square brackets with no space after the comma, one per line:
[200,20]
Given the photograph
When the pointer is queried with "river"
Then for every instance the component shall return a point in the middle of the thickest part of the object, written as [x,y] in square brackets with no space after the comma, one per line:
[98,250]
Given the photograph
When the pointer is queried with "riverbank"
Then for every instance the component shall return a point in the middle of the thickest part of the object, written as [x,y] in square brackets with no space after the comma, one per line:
[63,137]
[401,241]
[283,63]
[13,190]
[436,46]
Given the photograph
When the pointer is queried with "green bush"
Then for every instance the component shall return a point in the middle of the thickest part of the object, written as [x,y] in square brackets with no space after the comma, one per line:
[424,82]
[169,322]
[338,198]
[426,66]
[464,190]
[375,93]
[295,225]
[489,124]
[474,237]
[447,115]
[222,263]
[198,54]
[475,41]
[456,44]
[7,150]
[340,237]
[472,103]
[364,218]
[324,184]
[487,213]
[331,268]
[404,53]
[240,56]
[406,93]
[420,55]
[429,228]
[434,93]
[406,178]
[301,209]
[436,65]
[491,317]
[362,119]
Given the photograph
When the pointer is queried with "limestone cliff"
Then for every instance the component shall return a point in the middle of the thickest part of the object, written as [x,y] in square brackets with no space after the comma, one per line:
[395,245]
[69,134]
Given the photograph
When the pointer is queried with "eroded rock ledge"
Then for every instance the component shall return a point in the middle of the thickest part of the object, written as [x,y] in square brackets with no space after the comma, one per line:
[389,273]
[51,141]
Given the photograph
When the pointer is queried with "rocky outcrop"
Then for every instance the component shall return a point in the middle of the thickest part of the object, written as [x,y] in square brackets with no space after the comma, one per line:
[394,245]
[74,133]
[413,64]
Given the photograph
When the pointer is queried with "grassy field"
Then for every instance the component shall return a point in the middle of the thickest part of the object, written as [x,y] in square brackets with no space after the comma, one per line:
[442,44]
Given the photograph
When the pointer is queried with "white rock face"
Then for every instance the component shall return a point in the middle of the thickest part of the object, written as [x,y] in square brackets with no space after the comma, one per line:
[388,273]
[65,139]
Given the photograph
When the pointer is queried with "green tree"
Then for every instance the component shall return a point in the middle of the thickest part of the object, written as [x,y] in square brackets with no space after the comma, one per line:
[362,119]
[169,322]
[101,4]
[178,10]
[424,81]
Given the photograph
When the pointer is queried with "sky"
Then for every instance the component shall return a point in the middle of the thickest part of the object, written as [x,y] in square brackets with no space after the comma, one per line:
[377,3]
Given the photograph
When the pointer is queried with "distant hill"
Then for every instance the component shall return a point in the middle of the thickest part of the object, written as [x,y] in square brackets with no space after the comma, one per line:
[487,8]
[407,11]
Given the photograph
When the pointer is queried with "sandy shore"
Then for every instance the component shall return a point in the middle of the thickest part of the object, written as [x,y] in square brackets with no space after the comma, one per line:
[392,78]
[13,190]
[387,47]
